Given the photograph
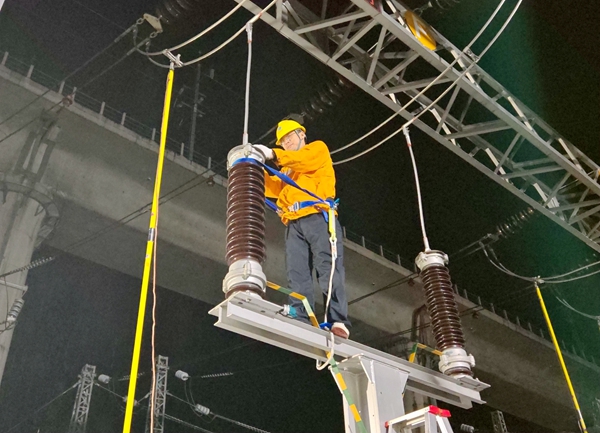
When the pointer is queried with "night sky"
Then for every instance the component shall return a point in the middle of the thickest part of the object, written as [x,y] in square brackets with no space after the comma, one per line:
[82,308]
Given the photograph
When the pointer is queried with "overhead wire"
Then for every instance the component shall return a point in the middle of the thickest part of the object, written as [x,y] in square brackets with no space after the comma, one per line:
[219,47]
[217,416]
[199,35]
[581,313]
[450,87]
[520,293]
[123,221]
[34,119]
[48,403]
[70,75]
[491,256]
[414,98]
[185,423]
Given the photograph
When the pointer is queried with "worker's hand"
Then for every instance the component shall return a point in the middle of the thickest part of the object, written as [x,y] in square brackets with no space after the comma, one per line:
[266,151]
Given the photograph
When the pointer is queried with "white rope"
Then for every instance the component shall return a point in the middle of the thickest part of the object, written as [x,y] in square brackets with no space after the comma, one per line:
[418,185]
[460,56]
[329,291]
[466,71]
[247,95]
[199,35]
[322,366]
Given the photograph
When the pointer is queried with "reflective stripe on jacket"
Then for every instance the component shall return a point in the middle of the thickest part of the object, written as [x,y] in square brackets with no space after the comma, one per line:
[312,169]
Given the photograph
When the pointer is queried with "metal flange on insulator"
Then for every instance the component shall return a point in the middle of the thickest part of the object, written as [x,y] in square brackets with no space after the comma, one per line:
[443,311]
[245,249]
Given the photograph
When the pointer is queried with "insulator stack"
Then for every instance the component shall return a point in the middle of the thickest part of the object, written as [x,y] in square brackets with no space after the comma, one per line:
[245,248]
[325,98]
[514,223]
[13,314]
[169,11]
[443,312]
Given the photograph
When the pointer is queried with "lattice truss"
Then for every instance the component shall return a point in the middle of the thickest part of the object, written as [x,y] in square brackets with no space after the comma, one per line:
[160,396]
[81,408]
[478,120]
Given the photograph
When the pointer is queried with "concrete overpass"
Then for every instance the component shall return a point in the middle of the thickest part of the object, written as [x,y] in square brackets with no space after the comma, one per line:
[79,172]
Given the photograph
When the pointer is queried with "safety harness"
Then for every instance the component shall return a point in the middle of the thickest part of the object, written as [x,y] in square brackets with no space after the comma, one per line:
[328,213]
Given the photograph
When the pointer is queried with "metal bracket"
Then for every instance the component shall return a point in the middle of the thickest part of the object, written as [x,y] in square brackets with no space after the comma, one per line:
[260,319]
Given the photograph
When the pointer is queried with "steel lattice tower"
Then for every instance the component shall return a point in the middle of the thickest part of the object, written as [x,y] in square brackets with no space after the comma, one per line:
[160,396]
[81,408]
[498,422]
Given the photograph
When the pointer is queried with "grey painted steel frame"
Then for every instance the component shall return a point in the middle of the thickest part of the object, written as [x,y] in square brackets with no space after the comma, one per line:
[260,319]
[81,408]
[541,149]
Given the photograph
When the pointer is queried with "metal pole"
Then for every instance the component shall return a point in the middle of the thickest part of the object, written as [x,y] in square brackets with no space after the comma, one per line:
[195,111]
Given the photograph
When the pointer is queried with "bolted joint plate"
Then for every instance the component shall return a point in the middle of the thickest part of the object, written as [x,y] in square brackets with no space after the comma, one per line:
[244,272]
[243,151]
[434,257]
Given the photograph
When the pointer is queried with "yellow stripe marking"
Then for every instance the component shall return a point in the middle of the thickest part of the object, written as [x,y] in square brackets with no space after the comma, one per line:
[341,381]
[355,413]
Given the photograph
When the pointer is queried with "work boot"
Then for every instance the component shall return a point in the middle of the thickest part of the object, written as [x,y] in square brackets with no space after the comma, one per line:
[340,330]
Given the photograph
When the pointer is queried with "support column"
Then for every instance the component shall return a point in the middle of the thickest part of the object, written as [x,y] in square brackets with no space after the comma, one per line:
[27,215]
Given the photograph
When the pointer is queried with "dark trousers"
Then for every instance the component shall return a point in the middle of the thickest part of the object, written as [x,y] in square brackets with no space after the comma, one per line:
[307,247]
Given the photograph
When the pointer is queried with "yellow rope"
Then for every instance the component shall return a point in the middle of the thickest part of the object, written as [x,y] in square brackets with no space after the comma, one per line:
[561,360]
[148,259]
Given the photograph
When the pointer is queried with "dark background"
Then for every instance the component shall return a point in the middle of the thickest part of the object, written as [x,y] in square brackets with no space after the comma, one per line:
[547,57]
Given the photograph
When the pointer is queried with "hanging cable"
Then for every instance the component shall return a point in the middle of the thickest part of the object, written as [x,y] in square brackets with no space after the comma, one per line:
[566,304]
[450,87]
[153,337]
[218,48]
[203,410]
[491,256]
[149,249]
[43,406]
[34,119]
[199,35]
[247,93]
[418,186]
[413,99]
[186,424]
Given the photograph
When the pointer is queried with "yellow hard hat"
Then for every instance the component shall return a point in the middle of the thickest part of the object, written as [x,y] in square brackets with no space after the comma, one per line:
[285,127]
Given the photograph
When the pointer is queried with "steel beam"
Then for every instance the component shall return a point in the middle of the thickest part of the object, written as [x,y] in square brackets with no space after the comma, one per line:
[533,139]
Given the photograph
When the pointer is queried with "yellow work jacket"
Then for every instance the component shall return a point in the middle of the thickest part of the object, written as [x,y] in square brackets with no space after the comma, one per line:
[312,169]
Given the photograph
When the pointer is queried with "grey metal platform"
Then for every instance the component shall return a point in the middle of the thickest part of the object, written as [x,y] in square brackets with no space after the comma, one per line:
[259,319]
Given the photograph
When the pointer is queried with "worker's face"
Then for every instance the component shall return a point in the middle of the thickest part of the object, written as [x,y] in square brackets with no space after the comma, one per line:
[294,140]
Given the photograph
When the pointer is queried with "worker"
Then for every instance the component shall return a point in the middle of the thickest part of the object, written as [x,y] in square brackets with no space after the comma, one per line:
[307,238]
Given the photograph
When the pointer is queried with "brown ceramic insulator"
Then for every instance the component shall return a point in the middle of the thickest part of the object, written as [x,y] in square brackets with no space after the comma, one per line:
[442,307]
[246,213]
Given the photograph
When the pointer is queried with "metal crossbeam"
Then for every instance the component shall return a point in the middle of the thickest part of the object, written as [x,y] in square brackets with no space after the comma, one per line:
[374,48]
[81,408]
[260,319]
